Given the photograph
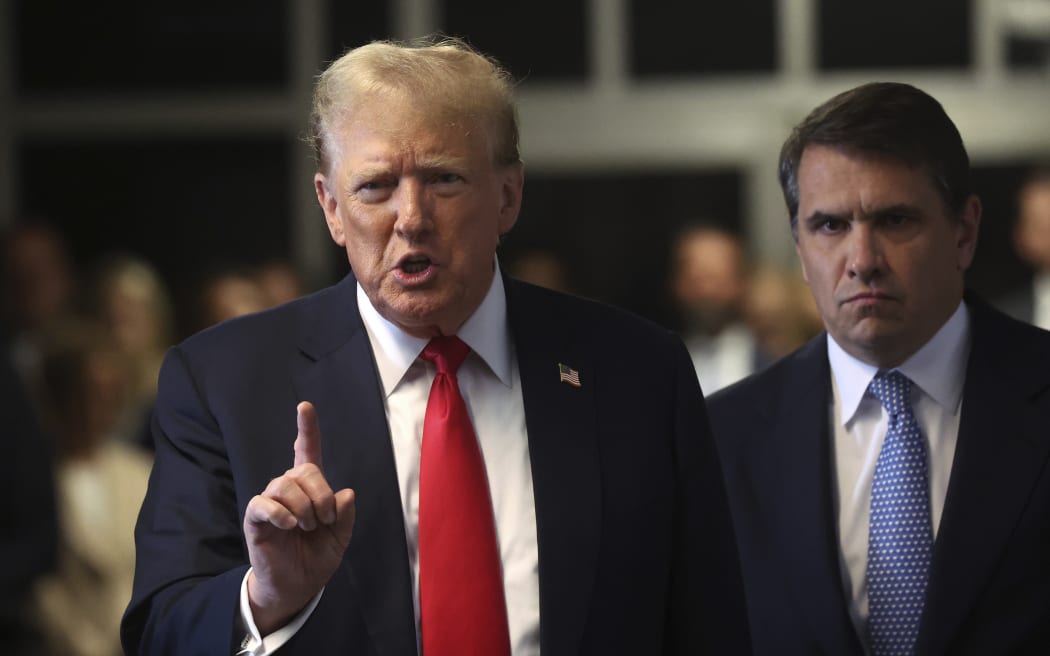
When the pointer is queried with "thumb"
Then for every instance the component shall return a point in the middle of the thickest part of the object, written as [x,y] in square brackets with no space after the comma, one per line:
[308,441]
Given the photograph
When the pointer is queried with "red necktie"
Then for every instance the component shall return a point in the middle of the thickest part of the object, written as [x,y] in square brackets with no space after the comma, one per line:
[462,607]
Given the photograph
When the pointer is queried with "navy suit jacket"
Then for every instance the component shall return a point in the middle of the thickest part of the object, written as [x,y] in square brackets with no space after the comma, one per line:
[636,551]
[989,588]
[1019,303]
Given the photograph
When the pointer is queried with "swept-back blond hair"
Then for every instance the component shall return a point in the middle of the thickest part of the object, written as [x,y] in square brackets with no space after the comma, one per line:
[446,77]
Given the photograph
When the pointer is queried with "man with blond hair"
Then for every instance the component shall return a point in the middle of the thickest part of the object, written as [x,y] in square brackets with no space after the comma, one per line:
[506,469]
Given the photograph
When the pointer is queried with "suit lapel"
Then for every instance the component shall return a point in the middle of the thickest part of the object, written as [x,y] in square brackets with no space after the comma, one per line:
[337,374]
[560,420]
[794,474]
[1001,450]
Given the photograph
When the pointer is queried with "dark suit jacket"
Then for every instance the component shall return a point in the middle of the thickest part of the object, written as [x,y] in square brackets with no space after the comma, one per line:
[636,553]
[989,589]
[1019,303]
[29,539]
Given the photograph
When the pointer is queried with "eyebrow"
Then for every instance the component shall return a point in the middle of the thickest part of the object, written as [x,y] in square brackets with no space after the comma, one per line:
[424,163]
[897,209]
[818,216]
[368,172]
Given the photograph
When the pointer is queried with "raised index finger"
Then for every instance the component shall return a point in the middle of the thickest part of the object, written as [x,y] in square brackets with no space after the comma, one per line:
[308,441]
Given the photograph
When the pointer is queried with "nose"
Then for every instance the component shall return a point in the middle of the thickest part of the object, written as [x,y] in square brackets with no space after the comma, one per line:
[413,210]
[864,254]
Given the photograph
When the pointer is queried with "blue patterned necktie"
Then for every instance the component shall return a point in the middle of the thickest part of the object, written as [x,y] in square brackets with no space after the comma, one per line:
[899,537]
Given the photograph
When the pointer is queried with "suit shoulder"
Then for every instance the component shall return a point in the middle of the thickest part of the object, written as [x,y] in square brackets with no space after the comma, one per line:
[268,327]
[758,384]
[1003,343]
[756,395]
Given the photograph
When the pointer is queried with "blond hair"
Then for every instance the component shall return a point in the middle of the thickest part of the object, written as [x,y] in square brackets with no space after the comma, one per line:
[448,77]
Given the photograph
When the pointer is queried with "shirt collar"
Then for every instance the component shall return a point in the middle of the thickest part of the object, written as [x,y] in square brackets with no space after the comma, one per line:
[486,332]
[938,368]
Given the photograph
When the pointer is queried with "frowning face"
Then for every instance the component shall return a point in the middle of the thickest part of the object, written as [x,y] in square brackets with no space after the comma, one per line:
[419,204]
[883,254]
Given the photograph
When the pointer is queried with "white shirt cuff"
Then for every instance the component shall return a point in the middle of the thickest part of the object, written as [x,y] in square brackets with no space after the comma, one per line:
[256,645]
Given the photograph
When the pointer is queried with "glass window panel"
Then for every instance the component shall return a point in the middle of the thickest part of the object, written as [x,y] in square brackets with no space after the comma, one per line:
[539,40]
[129,45]
[894,34]
[180,204]
[689,38]
[351,24]
[613,231]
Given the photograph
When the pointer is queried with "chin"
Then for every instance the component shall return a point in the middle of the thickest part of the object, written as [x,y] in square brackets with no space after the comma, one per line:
[413,317]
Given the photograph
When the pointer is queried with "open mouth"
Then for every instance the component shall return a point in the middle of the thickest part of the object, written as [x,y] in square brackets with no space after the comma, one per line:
[415,264]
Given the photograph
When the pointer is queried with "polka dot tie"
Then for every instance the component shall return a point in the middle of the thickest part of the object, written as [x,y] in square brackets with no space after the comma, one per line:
[899,537]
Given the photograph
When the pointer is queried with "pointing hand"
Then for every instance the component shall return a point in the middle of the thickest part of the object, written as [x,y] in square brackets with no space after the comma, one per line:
[297,530]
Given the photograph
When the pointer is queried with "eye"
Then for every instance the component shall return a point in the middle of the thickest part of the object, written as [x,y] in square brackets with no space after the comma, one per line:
[896,219]
[374,190]
[374,184]
[831,225]
[446,183]
[447,177]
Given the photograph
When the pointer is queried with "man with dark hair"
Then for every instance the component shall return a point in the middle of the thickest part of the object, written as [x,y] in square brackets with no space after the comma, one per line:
[889,480]
[506,470]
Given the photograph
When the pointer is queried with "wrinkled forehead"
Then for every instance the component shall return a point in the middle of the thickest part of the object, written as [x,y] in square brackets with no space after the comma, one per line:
[908,162]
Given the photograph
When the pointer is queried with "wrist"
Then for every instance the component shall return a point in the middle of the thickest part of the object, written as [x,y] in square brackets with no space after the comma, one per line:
[269,611]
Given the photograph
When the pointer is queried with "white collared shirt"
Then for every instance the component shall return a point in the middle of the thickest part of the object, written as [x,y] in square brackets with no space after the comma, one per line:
[723,359]
[859,423]
[1041,301]
[491,388]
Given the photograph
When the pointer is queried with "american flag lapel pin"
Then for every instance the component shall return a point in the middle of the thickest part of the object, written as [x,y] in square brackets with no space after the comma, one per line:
[567,374]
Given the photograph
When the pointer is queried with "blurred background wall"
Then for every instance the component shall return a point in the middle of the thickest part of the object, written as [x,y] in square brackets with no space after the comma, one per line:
[171,130]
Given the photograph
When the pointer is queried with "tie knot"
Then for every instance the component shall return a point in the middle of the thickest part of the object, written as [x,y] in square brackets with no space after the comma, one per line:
[447,353]
[893,389]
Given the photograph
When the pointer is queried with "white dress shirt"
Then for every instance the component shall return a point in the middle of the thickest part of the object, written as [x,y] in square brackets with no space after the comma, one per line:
[1041,301]
[723,359]
[859,424]
[491,388]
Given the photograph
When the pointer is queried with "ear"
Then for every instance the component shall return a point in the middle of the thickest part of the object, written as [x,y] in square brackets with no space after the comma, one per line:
[801,262]
[329,202]
[966,232]
[512,184]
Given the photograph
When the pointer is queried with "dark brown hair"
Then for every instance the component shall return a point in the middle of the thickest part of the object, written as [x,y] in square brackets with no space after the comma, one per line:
[887,119]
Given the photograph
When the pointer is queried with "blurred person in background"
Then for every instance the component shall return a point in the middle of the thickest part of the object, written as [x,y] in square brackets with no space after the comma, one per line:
[101,482]
[279,281]
[224,293]
[709,283]
[38,285]
[132,303]
[780,312]
[542,267]
[1031,238]
[29,533]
